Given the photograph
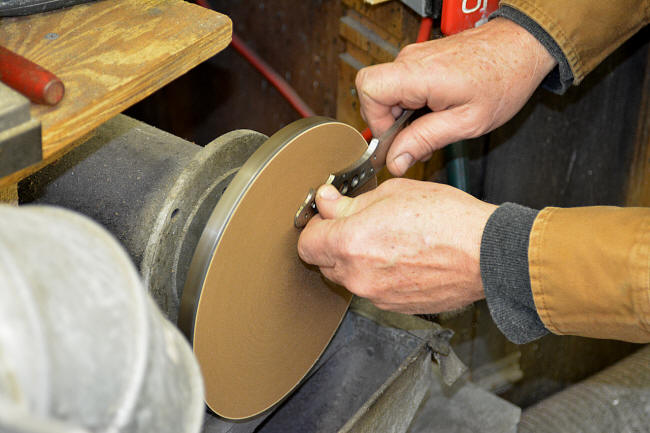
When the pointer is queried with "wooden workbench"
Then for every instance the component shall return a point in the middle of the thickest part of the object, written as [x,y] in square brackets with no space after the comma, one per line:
[109,54]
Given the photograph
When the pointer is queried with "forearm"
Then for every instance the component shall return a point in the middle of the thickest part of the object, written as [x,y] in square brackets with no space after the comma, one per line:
[578,34]
[588,272]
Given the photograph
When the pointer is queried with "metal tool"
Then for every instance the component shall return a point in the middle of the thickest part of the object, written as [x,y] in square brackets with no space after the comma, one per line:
[350,180]
[37,83]
[20,135]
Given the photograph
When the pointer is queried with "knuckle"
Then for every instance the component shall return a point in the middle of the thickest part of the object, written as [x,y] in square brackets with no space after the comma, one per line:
[361,79]
[304,249]
[407,51]
[349,245]
[473,120]
[424,141]
[392,185]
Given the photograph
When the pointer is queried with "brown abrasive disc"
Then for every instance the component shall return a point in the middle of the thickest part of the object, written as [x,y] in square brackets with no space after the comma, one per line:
[257,316]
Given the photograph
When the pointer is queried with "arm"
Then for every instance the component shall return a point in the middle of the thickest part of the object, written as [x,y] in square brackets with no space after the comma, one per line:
[590,271]
[437,248]
[585,31]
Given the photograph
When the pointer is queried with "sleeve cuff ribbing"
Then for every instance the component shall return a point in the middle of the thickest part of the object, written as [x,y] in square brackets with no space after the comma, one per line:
[504,271]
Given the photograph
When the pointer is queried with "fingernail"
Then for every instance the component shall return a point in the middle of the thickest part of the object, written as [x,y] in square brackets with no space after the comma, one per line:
[403,162]
[328,192]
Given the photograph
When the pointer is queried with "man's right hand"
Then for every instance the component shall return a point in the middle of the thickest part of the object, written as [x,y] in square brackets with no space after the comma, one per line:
[473,82]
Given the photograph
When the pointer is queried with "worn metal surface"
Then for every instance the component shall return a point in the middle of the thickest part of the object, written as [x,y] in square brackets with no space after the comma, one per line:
[14,108]
[20,136]
[616,400]
[152,190]
[81,343]
[463,408]
[392,407]
[437,337]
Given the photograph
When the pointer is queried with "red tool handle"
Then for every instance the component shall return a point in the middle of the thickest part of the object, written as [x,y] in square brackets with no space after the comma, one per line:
[38,84]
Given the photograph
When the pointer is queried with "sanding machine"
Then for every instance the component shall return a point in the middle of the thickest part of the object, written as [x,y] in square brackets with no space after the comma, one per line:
[213,232]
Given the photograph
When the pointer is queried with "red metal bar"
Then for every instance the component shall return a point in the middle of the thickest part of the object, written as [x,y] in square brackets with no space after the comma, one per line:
[38,84]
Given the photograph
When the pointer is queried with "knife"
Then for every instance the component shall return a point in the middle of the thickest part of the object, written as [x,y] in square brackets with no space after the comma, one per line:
[352,178]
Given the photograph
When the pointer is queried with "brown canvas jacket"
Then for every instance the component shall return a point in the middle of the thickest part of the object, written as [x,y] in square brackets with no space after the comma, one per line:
[590,267]
[587,31]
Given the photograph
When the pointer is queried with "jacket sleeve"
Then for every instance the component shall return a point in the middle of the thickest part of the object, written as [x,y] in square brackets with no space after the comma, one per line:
[586,31]
[590,271]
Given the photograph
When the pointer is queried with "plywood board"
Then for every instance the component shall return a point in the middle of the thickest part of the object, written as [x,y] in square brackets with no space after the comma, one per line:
[110,54]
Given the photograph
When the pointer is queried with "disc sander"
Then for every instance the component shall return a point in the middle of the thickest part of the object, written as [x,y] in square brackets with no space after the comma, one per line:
[257,316]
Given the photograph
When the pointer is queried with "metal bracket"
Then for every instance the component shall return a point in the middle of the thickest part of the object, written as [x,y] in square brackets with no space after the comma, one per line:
[20,136]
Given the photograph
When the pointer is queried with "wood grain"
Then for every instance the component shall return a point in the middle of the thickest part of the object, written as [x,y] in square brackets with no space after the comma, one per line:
[393,16]
[110,54]
[9,194]
[353,31]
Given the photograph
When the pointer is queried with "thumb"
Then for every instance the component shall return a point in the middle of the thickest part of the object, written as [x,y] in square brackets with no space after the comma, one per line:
[332,205]
[425,135]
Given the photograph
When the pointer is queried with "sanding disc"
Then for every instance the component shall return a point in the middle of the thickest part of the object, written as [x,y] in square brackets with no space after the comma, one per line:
[257,316]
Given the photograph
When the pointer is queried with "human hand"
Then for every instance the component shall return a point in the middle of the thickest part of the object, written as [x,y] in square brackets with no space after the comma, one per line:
[473,81]
[407,246]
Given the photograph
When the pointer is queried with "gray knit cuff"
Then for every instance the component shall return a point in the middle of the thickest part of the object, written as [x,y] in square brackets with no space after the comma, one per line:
[561,77]
[504,271]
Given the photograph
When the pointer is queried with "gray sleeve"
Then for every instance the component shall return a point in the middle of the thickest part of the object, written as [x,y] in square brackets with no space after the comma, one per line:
[561,77]
[504,271]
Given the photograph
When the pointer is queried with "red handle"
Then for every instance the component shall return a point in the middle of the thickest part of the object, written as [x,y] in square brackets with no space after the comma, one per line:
[38,84]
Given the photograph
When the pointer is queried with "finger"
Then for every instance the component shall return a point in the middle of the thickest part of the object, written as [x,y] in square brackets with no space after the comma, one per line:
[332,205]
[315,242]
[382,89]
[396,111]
[425,135]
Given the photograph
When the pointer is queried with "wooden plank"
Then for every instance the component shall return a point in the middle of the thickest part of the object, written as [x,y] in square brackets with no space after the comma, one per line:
[356,33]
[9,194]
[299,39]
[359,55]
[393,17]
[110,54]
[347,101]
